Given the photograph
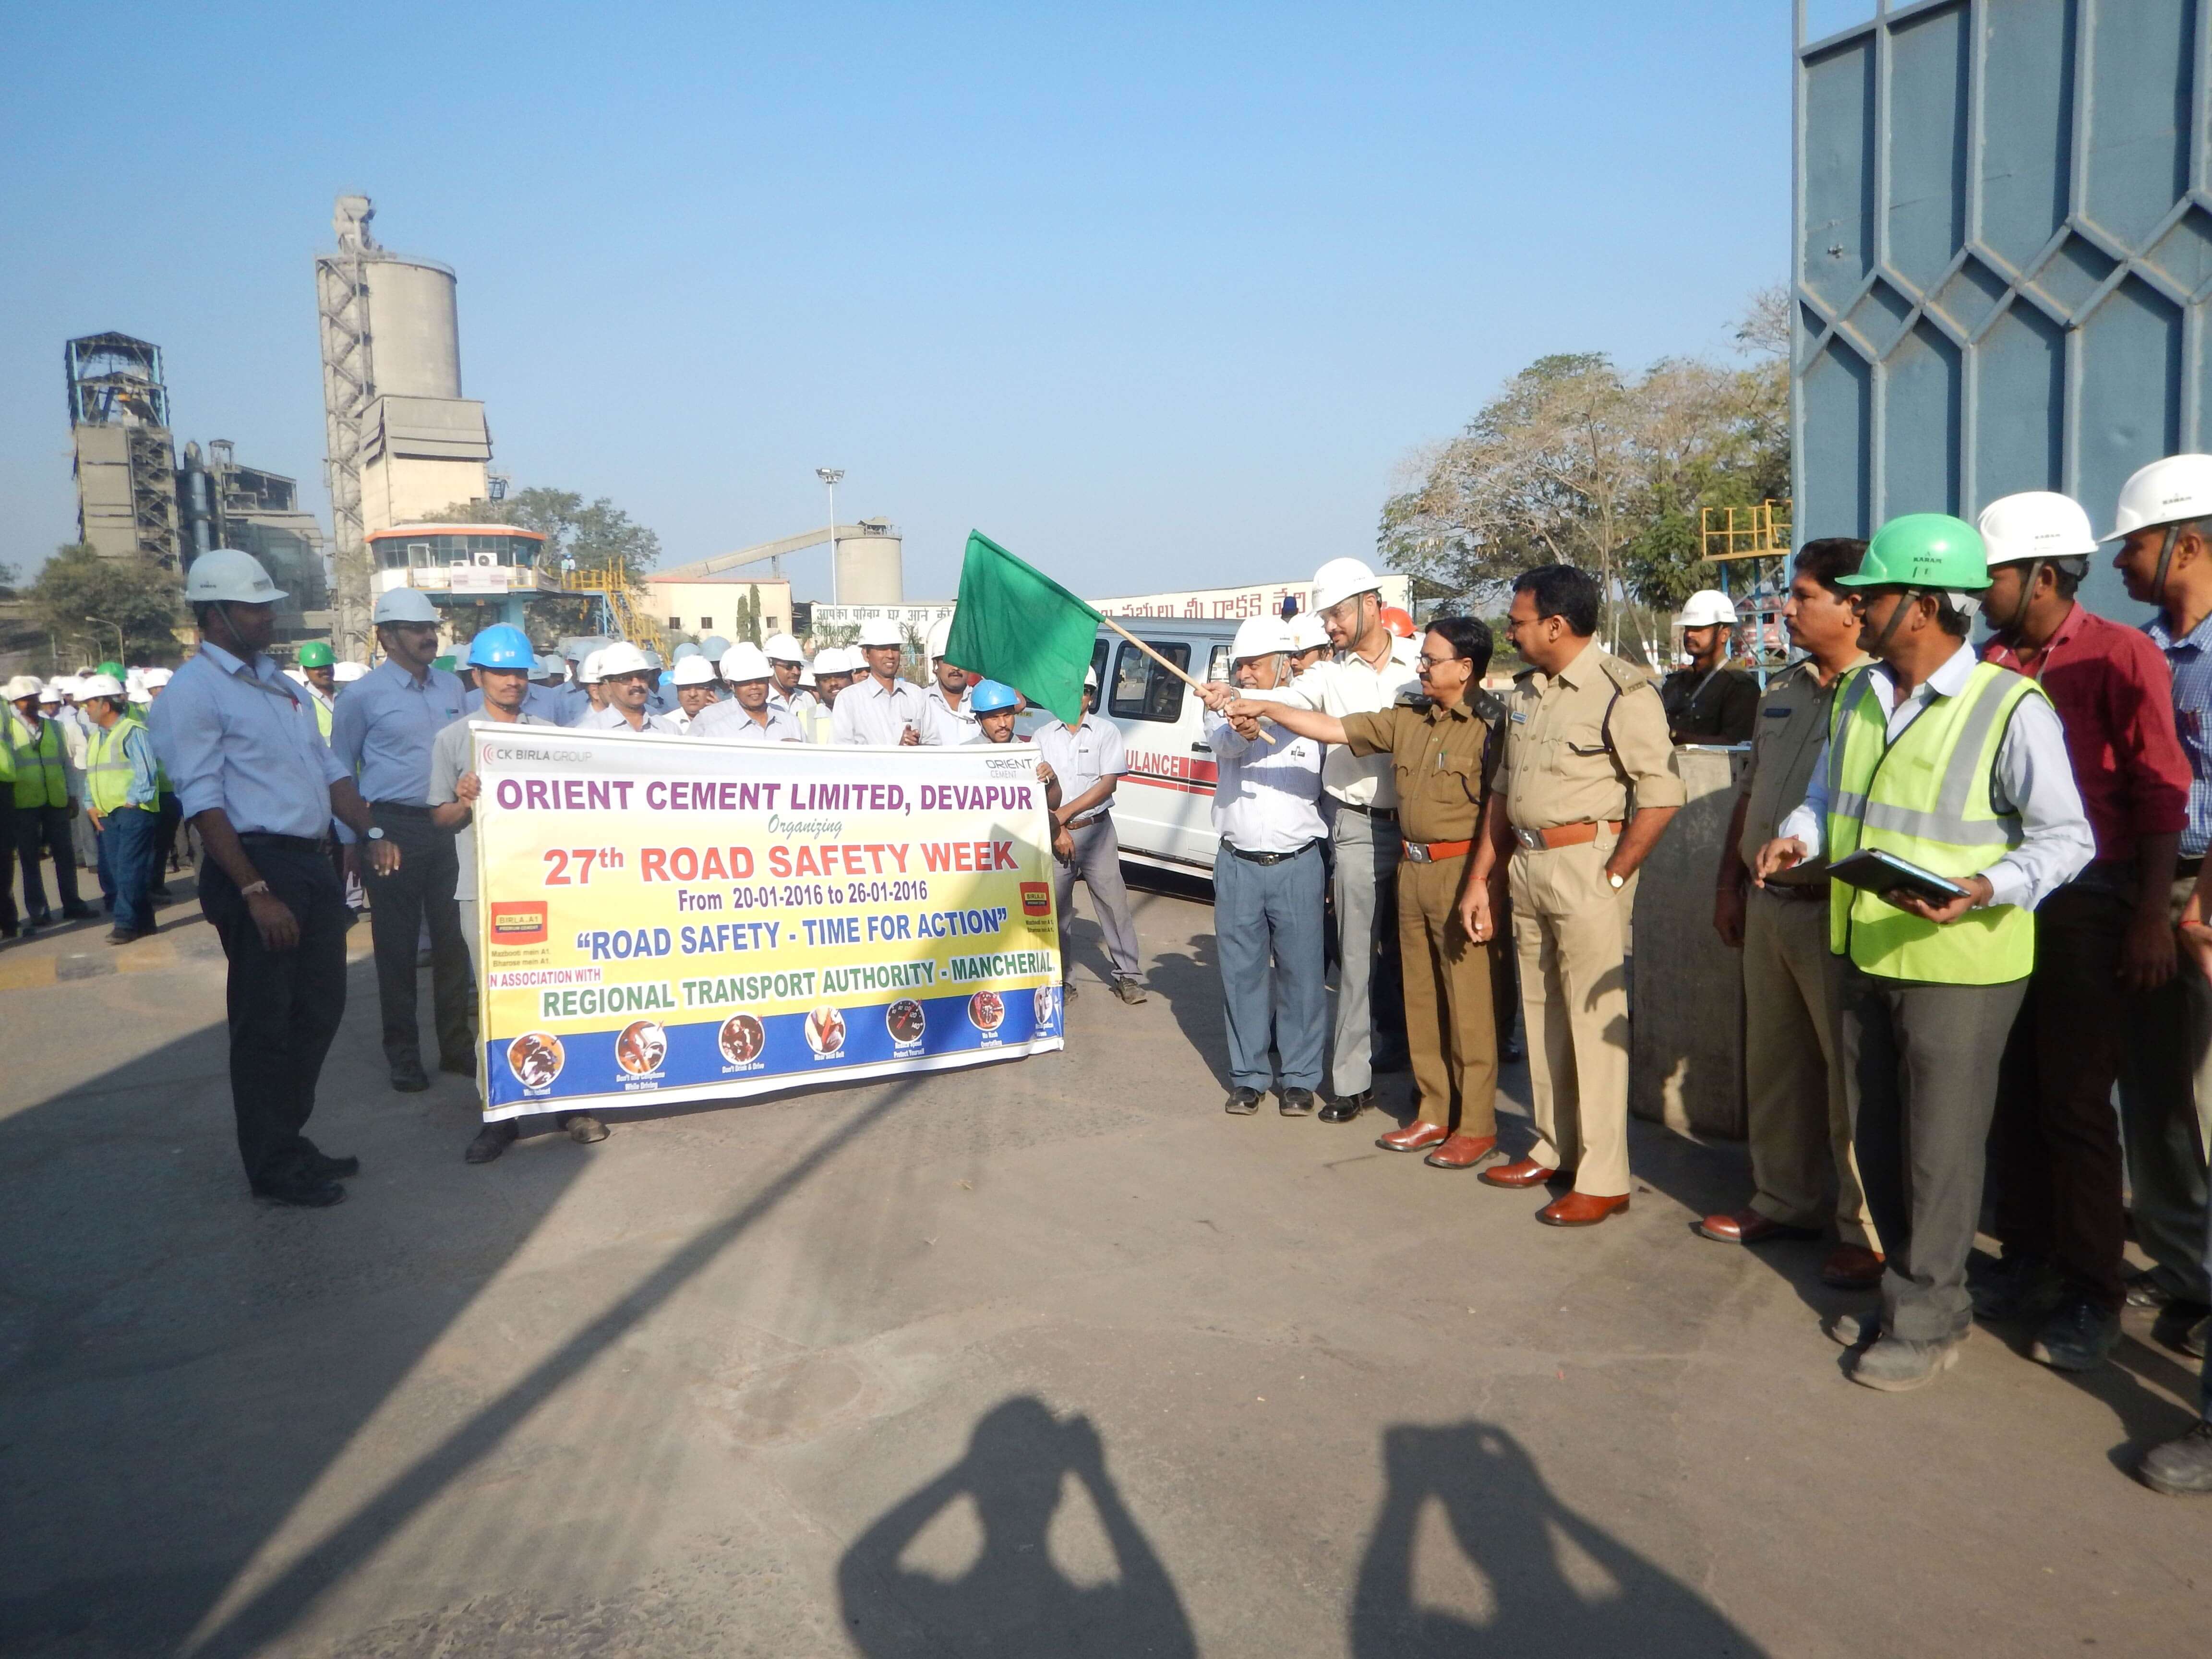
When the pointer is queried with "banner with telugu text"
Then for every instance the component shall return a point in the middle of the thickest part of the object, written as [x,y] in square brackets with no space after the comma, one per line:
[667,919]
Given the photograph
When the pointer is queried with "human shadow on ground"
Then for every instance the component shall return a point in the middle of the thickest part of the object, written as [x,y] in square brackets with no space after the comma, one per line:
[1015,1598]
[1548,1581]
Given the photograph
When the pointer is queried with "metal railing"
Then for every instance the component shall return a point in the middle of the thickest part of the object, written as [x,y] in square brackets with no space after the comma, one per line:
[626,617]
[1745,533]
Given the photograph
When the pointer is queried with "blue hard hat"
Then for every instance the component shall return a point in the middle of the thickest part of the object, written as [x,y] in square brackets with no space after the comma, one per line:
[668,677]
[714,646]
[988,696]
[502,646]
[686,649]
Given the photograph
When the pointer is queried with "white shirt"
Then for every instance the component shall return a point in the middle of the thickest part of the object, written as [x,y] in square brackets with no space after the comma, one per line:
[1348,685]
[1267,799]
[868,711]
[730,722]
[2035,778]
[1079,758]
[948,724]
[795,702]
[611,719]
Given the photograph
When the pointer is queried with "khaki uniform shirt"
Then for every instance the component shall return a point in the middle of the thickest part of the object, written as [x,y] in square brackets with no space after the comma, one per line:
[1441,761]
[1561,768]
[1793,726]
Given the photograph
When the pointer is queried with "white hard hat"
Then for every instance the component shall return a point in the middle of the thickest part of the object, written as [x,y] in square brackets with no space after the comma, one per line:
[806,675]
[345,674]
[589,672]
[1260,636]
[880,631]
[226,573]
[22,686]
[781,648]
[940,631]
[1306,631]
[99,685]
[1090,679]
[622,658]
[1340,579]
[548,667]
[2171,491]
[828,661]
[2035,524]
[744,661]
[157,679]
[1705,607]
[51,691]
[404,605]
[694,671]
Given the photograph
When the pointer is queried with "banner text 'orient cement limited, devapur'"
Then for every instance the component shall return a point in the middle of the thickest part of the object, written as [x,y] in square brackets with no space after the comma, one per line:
[666,918]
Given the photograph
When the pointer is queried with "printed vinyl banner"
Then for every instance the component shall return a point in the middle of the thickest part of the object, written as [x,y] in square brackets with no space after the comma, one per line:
[676,919]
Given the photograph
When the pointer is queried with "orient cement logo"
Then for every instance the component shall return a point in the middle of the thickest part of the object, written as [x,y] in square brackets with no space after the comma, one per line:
[519,924]
[1036,906]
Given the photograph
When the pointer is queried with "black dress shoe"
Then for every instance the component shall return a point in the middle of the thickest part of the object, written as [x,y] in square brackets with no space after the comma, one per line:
[301,1193]
[584,1130]
[1510,1053]
[491,1140]
[1242,1102]
[465,1066]
[323,1167]
[76,912]
[409,1077]
[1342,1109]
[1296,1102]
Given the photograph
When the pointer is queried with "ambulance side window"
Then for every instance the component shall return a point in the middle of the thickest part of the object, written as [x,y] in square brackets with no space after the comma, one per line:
[1141,689]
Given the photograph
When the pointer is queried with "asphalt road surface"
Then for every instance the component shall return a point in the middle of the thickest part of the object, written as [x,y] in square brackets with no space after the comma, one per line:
[1051,1357]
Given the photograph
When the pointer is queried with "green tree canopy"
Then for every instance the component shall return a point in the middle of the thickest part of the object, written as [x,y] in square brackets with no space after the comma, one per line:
[82,599]
[595,534]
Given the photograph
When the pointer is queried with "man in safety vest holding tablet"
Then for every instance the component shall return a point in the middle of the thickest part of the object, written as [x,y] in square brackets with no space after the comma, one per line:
[1960,768]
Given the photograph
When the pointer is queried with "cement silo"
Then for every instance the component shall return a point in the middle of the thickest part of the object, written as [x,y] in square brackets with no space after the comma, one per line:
[870,563]
[416,327]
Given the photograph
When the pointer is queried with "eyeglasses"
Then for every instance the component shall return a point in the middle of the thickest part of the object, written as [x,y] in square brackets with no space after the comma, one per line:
[1425,660]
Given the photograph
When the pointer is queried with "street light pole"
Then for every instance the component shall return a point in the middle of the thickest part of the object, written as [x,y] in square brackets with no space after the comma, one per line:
[120,649]
[829,475]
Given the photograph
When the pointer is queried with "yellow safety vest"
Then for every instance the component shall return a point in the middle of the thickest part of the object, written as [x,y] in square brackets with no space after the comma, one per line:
[323,712]
[107,769]
[1928,798]
[40,779]
[160,771]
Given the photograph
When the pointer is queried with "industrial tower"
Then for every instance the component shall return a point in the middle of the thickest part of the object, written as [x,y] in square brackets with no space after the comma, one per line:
[126,464]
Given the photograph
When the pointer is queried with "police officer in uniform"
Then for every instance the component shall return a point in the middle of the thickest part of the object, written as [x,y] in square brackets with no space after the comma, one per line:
[1585,735]
[1710,702]
[1443,751]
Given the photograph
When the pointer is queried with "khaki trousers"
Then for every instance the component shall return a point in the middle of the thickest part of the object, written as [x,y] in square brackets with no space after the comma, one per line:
[1568,927]
[1449,1028]
[1798,1119]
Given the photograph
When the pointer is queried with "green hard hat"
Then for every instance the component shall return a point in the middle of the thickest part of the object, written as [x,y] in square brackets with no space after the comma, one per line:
[1923,550]
[113,669]
[316,653]
[445,662]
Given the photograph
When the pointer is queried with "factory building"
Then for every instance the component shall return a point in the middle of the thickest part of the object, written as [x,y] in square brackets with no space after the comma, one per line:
[126,468]
[403,442]
[225,504]
[696,606]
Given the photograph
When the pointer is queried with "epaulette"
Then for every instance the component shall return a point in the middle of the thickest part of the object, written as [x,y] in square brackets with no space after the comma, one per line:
[1626,675]
[1489,707]
[1418,700]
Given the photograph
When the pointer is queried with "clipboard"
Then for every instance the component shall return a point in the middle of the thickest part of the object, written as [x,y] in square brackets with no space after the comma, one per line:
[1878,872]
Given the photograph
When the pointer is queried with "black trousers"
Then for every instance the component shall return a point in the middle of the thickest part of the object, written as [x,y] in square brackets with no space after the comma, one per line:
[8,916]
[421,891]
[46,828]
[165,837]
[284,1007]
[1920,1071]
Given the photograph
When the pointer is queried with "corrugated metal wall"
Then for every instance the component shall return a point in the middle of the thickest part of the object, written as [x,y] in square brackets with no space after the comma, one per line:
[2003,258]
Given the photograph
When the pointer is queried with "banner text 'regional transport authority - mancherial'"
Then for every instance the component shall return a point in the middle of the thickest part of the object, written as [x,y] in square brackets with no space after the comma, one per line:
[670,918]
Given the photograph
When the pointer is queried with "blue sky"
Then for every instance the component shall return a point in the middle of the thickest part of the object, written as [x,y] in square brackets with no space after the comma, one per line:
[1158,296]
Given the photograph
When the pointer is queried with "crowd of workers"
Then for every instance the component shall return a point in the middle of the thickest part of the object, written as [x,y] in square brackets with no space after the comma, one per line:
[1965,881]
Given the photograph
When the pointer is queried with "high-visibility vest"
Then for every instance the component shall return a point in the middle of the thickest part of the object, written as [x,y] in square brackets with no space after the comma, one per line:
[1927,797]
[40,779]
[107,769]
[136,713]
[323,712]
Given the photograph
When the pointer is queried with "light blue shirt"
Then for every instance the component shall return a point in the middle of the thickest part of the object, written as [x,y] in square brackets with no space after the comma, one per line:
[145,781]
[571,703]
[2190,657]
[540,702]
[240,735]
[382,729]
[729,722]
[611,719]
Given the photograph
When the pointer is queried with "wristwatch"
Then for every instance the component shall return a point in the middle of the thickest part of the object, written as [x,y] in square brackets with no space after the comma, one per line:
[375,834]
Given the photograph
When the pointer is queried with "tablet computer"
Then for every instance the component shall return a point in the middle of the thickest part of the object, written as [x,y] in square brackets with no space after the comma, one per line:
[1885,872]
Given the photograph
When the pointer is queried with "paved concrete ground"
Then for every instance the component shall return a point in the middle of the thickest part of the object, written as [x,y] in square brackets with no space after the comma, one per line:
[1048,1358]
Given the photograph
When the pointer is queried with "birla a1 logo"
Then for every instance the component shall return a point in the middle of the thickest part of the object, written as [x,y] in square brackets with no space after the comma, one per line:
[519,924]
[1037,898]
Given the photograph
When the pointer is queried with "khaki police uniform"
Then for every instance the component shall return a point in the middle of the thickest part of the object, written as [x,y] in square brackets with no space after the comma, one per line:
[1798,1120]
[1578,745]
[1441,760]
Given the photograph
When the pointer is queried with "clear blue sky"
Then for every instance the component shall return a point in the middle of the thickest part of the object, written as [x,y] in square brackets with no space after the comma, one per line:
[1158,296]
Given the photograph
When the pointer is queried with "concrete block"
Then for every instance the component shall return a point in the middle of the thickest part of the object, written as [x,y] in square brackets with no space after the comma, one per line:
[1686,1042]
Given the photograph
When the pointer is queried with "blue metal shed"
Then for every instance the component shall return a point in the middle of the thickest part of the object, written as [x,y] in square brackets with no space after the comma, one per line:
[2003,265]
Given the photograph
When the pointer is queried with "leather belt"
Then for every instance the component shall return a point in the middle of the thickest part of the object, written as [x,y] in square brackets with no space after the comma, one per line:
[1437,852]
[1803,892]
[1388,814]
[402,808]
[1561,835]
[295,843]
[1268,857]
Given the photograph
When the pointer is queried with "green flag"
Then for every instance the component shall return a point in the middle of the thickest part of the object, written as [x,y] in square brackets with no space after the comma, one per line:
[1017,625]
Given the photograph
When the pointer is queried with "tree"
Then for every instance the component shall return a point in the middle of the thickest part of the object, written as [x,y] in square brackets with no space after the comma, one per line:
[598,536]
[82,599]
[748,627]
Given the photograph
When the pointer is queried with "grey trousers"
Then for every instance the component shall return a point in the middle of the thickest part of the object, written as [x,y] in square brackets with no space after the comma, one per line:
[1262,911]
[2165,1101]
[1098,861]
[1370,991]
[1920,1069]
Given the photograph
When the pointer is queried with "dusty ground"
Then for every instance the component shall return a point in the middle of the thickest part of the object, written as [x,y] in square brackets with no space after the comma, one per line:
[1047,1358]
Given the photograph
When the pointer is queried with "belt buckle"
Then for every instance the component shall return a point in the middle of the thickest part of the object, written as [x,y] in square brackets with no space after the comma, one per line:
[1531,841]
[1417,852]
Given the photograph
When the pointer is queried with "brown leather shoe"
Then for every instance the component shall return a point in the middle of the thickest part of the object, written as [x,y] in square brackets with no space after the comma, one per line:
[1462,1151]
[1416,1137]
[1749,1227]
[1525,1173]
[1852,1267]
[1580,1210]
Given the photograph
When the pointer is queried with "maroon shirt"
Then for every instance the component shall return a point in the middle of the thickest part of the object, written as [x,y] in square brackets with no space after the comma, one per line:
[2115,698]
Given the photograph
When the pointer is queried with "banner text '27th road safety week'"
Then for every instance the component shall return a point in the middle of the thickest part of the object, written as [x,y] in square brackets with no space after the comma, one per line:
[666,918]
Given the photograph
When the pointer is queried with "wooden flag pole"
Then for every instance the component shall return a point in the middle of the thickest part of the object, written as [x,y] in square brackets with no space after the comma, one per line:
[1180,674]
